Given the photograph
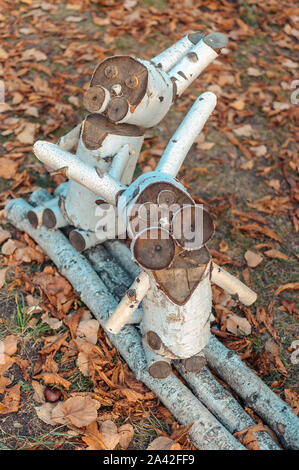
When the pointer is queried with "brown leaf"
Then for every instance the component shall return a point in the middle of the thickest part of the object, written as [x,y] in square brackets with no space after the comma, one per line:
[163,443]
[9,247]
[79,411]
[4,382]
[38,391]
[88,328]
[54,379]
[258,229]
[44,412]
[289,286]
[3,276]
[126,434]
[292,398]
[253,259]
[110,434]
[93,438]
[8,168]
[10,344]
[4,234]
[237,325]
[11,400]
[276,254]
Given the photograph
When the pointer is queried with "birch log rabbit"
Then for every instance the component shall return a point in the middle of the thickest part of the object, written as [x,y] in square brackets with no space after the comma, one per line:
[126,95]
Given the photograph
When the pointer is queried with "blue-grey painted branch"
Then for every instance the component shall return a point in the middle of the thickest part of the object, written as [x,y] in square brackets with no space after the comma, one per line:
[206,432]
[256,394]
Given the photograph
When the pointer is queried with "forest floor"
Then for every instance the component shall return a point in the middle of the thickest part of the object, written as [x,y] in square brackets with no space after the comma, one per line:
[243,167]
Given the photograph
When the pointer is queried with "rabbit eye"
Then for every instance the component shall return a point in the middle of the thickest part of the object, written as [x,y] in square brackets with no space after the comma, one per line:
[111,71]
[166,197]
[132,82]
[192,227]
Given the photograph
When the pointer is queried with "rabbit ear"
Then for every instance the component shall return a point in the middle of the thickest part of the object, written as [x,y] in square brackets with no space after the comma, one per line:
[98,181]
[196,60]
[180,143]
[168,58]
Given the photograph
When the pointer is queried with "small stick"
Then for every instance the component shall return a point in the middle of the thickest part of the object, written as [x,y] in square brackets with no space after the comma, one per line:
[128,304]
[232,285]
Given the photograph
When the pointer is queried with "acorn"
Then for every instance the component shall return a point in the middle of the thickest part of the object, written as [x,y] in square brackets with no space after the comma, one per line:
[52,394]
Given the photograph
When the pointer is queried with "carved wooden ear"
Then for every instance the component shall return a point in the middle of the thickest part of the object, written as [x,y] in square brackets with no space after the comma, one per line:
[153,248]
[192,227]
[94,98]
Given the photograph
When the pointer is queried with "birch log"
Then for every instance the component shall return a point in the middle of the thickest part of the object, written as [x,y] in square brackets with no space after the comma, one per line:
[256,394]
[206,431]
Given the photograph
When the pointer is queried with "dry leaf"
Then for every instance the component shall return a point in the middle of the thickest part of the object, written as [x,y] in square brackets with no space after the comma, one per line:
[8,168]
[88,328]
[79,411]
[4,234]
[35,54]
[10,345]
[93,438]
[253,259]
[82,363]
[38,391]
[292,398]
[51,378]
[110,434]
[4,382]
[11,401]
[276,254]
[44,412]
[245,131]
[163,443]
[54,323]
[239,105]
[126,434]
[27,136]
[237,325]
[289,286]
[3,276]
[259,151]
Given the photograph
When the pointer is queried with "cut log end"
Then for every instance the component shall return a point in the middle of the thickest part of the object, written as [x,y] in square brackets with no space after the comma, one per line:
[77,241]
[160,370]
[49,219]
[33,219]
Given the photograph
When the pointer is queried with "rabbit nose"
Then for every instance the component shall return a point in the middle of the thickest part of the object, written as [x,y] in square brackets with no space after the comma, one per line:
[116,89]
